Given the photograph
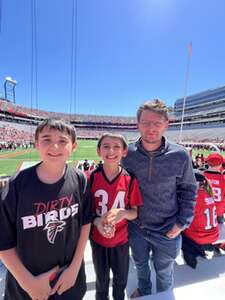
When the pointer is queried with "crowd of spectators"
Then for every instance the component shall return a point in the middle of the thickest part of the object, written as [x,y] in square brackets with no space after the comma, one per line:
[88,126]
[192,139]
[23,134]
[206,145]
[14,135]
[15,109]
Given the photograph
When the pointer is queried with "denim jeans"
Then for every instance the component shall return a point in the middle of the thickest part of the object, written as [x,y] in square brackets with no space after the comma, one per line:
[164,252]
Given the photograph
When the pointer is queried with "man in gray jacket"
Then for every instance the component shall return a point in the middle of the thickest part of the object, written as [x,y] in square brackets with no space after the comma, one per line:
[168,187]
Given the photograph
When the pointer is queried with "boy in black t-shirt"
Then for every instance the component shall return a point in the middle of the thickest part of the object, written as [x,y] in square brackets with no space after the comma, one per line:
[45,216]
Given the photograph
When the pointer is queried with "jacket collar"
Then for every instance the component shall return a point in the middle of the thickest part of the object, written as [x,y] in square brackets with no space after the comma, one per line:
[162,149]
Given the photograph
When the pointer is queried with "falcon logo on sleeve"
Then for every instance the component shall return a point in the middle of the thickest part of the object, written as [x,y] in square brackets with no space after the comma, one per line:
[53,227]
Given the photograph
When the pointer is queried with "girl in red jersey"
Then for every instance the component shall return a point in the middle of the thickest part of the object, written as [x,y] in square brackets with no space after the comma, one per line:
[203,231]
[116,196]
[204,227]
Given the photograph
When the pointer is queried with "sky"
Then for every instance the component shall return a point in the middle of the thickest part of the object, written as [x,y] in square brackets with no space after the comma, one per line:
[127,51]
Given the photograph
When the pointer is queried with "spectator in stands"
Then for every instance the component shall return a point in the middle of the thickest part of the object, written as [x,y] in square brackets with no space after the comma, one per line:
[80,166]
[14,134]
[92,166]
[165,174]
[203,230]
[202,158]
[197,156]
[100,163]
[86,165]
[199,164]
[217,181]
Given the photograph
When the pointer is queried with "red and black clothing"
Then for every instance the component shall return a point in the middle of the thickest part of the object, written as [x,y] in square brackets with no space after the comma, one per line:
[203,230]
[43,221]
[121,192]
[217,182]
[204,227]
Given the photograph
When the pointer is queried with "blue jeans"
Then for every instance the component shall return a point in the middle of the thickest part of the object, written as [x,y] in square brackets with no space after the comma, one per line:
[164,252]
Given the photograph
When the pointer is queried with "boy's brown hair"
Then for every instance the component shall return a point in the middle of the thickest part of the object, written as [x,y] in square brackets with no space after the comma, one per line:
[113,136]
[56,124]
[154,105]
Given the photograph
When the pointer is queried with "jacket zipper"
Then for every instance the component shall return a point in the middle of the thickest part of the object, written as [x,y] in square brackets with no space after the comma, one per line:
[150,167]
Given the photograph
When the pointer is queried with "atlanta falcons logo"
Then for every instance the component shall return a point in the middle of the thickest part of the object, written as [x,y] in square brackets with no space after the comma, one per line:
[53,227]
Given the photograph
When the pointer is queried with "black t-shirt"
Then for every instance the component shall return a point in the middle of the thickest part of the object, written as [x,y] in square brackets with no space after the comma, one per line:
[43,221]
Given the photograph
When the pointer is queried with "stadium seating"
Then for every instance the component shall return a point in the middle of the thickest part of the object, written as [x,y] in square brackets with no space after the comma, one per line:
[200,128]
[9,107]
[16,133]
[199,135]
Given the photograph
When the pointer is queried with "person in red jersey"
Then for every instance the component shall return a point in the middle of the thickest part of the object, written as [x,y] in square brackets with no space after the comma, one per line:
[204,227]
[116,196]
[223,166]
[92,166]
[217,181]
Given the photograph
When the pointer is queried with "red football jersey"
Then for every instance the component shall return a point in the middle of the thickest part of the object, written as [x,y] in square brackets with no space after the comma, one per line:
[204,227]
[121,192]
[217,182]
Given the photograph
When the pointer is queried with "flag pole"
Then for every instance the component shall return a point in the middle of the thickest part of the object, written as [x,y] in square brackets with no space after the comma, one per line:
[185,89]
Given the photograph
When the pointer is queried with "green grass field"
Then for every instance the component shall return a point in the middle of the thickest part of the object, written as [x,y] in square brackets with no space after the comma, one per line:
[85,150]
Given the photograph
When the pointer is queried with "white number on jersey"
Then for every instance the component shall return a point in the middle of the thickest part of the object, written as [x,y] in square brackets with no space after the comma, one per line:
[217,194]
[117,203]
[211,218]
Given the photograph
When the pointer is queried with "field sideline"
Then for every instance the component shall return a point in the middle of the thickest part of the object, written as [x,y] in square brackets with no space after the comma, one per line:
[10,160]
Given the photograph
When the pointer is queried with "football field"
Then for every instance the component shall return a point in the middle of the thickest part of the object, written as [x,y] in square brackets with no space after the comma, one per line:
[86,149]
[11,160]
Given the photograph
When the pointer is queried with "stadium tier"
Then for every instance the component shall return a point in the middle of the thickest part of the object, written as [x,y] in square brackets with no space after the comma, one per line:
[205,103]
[11,109]
[17,124]
[203,113]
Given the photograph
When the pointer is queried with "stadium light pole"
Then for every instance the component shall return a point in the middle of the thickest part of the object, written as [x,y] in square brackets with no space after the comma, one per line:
[9,87]
[185,90]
